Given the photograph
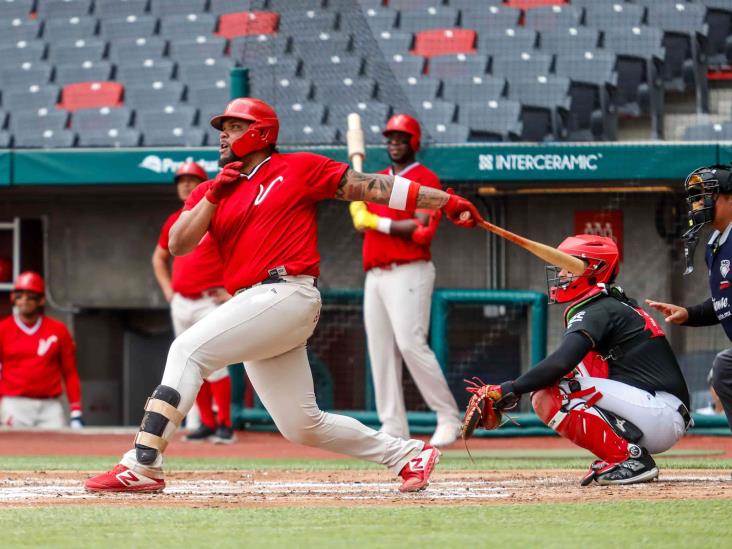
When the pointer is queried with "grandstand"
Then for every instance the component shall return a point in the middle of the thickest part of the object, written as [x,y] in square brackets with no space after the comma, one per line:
[128,73]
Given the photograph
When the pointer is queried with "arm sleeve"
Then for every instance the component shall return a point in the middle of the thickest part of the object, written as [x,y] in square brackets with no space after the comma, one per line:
[702,314]
[323,175]
[549,371]
[68,367]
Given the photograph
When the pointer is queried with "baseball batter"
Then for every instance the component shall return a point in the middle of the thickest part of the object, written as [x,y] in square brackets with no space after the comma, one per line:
[628,398]
[194,289]
[261,211]
[709,197]
[37,357]
[400,277]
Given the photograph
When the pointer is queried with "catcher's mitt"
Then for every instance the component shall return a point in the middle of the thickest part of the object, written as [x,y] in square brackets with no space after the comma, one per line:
[485,407]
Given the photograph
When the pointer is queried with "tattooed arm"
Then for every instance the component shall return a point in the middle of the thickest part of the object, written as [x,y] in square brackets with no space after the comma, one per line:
[376,188]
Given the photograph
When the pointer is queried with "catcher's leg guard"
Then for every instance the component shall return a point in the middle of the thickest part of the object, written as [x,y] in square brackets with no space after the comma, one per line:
[583,424]
[160,408]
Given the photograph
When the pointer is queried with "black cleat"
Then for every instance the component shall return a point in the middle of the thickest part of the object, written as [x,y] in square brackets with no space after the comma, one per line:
[224,435]
[633,470]
[201,434]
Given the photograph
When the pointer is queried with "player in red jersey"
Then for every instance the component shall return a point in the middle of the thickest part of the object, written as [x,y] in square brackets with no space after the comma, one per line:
[194,289]
[38,357]
[261,211]
[400,277]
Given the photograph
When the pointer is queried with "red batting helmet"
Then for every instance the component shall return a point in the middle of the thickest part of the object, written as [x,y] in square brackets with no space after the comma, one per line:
[29,281]
[190,168]
[407,124]
[602,258]
[263,129]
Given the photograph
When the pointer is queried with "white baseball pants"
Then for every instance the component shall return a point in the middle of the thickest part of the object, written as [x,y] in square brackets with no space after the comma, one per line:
[396,309]
[22,413]
[266,327]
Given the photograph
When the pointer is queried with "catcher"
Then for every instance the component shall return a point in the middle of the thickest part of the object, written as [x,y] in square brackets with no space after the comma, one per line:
[613,386]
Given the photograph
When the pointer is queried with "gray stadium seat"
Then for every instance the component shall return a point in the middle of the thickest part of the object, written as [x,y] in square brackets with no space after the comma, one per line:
[87,71]
[719,39]
[129,26]
[301,114]
[610,15]
[255,48]
[497,42]
[425,88]
[495,120]
[103,119]
[299,5]
[154,95]
[308,135]
[448,133]
[106,9]
[458,66]
[137,49]
[514,65]
[307,21]
[475,89]
[467,4]
[166,118]
[347,90]
[3,119]
[69,29]
[33,97]
[324,43]
[63,9]
[335,67]
[24,75]
[380,19]
[220,7]
[553,18]
[569,40]
[114,137]
[6,139]
[545,104]
[287,91]
[192,24]
[394,42]
[146,71]
[404,66]
[162,8]
[65,52]
[490,18]
[373,117]
[210,71]
[39,120]
[436,112]
[45,139]
[21,52]
[207,97]
[12,9]
[434,17]
[406,5]
[708,132]
[175,137]
[13,31]
[198,48]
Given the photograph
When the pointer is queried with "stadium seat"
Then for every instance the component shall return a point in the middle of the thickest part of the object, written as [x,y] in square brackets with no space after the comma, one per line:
[307,21]
[177,7]
[448,133]
[325,44]
[447,67]
[46,139]
[553,18]
[433,42]
[346,91]
[421,89]
[115,137]
[165,118]
[708,132]
[480,4]
[198,48]
[494,120]
[39,120]
[514,65]
[73,28]
[490,18]
[255,48]
[394,42]
[65,52]
[298,5]
[13,31]
[475,89]
[286,91]
[154,95]
[135,72]
[569,40]
[87,71]
[6,139]
[381,19]
[308,135]
[337,67]
[617,15]
[436,111]
[129,26]
[545,104]
[90,95]
[105,9]
[192,24]
[373,117]
[271,72]
[247,23]
[528,4]
[404,66]
[413,4]
[26,74]
[220,7]
[30,97]
[301,114]
[21,52]
[3,119]
[507,40]
[175,137]
[101,119]
[434,17]
[12,9]
[137,49]
[63,9]
[719,39]
[207,97]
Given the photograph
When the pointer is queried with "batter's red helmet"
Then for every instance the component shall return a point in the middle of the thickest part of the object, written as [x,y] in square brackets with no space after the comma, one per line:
[602,258]
[29,281]
[407,124]
[261,133]
[190,168]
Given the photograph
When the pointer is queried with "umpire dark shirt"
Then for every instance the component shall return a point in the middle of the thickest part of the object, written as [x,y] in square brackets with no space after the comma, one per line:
[718,257]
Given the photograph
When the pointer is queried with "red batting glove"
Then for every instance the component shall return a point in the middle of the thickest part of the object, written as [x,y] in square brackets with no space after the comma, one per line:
[224,183]
[456,205]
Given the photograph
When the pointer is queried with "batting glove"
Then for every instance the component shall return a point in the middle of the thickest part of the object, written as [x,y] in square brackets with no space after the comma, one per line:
[224,183]
[456,205]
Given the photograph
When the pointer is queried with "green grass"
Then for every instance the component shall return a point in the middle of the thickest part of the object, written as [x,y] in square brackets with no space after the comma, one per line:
[697,524]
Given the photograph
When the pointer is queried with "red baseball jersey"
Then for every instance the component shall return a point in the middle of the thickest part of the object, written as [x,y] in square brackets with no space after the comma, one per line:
[35,359]
[381,249]
[269,220]
[197,271]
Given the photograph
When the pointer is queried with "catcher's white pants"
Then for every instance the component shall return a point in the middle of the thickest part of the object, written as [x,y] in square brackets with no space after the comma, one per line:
[396,309]
[656,415]
[22,413]
[266,327]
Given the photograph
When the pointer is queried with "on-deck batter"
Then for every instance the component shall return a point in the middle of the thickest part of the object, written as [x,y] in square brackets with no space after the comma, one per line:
[261,211]
[400,277]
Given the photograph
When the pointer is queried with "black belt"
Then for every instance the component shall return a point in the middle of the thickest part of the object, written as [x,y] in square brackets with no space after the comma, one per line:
[273,278]
[684,411]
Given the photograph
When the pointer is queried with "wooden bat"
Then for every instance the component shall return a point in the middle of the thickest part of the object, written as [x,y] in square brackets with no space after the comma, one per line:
[551,255]
[354,140]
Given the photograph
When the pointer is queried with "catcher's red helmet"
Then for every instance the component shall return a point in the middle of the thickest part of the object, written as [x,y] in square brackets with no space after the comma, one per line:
[602,258]
[407,124]
[190,168]
[29,281]
[261,133]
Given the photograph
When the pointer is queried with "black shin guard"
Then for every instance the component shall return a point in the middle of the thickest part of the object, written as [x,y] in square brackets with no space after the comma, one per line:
[154,422]
[624,428]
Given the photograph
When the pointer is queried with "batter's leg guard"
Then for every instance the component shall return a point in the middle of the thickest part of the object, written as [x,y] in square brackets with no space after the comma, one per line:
[160,408]
[583,424]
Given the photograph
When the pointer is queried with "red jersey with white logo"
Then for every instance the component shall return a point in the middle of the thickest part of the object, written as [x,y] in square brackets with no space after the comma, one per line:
[381,249]
[36,359]
[196,271]
[269,220]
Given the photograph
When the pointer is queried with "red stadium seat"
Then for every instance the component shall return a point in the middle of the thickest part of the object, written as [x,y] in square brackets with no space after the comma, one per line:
[246,23]
[91,95]
[528,4]
[444,42]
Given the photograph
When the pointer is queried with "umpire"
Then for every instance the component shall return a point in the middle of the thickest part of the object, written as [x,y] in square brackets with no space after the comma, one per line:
[709,198]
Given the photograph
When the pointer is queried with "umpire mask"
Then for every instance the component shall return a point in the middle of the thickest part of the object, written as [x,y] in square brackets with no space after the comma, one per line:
[702,187]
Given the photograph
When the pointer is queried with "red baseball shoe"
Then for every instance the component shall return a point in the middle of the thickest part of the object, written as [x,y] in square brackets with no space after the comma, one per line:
[416,473]
[123,479]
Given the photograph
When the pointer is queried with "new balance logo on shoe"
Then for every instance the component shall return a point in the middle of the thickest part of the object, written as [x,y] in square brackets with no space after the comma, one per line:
[128,478]
[418,463]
